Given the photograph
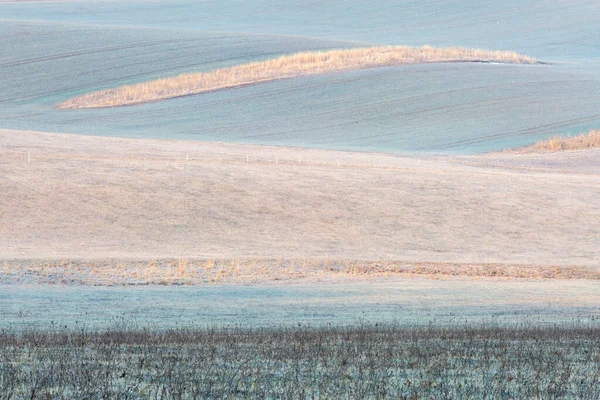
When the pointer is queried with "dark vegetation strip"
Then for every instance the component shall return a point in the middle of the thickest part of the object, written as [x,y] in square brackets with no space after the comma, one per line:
[366,362]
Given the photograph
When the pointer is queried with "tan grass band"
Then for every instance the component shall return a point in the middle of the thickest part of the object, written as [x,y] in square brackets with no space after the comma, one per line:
[285,67]
[580,142]
[197,272]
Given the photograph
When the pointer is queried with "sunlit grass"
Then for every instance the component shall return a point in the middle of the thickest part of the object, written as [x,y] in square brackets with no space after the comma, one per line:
[558,143]
[285,67]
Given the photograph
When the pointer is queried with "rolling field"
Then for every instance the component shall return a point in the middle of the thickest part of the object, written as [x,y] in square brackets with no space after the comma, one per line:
[89,197]
[74,48]
[549,28]
[296,65]
[511,234]
[85,211]
[274,227]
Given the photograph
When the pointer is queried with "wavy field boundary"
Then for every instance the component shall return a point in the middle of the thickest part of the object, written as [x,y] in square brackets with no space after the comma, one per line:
[285,67]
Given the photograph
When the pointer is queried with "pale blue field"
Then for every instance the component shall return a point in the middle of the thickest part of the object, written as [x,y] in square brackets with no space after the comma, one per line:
[50,51]
[405,302]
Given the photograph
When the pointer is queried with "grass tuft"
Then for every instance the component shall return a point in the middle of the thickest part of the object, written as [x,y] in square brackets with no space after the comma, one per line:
[285,67]
[557,143]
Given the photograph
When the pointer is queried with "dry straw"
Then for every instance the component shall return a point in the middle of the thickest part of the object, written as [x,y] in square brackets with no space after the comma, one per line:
[254,271]
[557,143]
[284,67]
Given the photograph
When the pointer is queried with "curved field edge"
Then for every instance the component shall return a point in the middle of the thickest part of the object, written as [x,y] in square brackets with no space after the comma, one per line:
[285,67]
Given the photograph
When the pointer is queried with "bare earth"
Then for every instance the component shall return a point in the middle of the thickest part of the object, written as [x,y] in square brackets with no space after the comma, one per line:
[84,198]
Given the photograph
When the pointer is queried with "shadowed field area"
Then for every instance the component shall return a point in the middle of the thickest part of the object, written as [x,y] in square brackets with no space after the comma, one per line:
[285,67]
[95,198]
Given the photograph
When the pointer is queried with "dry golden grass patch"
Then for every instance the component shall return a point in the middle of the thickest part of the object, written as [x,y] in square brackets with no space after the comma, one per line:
[238,271]
[284,67]
[557,143]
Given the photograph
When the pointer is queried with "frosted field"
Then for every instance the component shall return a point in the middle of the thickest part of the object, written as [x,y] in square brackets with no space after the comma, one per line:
[407,302]
[549,28]
[75,47]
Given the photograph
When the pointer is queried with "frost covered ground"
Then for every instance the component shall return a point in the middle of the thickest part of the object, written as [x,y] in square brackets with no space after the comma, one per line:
[76,47]
[402,301]
[363,362]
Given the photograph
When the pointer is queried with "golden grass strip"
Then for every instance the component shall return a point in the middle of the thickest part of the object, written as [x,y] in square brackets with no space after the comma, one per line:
[285,67]
[557,143]
[198,272]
